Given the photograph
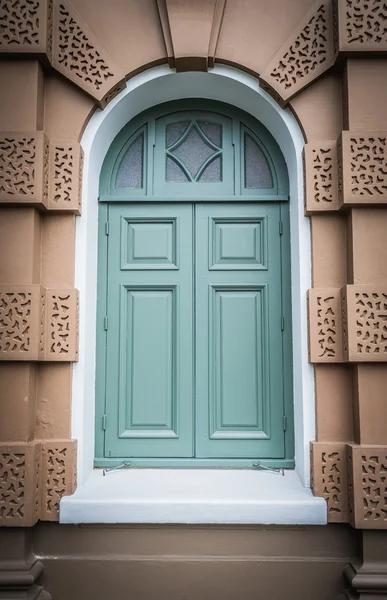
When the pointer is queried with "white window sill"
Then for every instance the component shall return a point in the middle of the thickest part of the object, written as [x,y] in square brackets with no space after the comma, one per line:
[223,496]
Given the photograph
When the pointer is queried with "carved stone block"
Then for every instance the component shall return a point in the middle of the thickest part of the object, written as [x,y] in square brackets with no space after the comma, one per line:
[321,177]
[59,325]
[19,322]
[306,54]
[329,475]
[65,176]
[23,164]
[325,328]
[26,26]
[19,484]
[364,323]
[363,167]
[58,475]
[79,56]
[367,486]
[361,25]
[38,323]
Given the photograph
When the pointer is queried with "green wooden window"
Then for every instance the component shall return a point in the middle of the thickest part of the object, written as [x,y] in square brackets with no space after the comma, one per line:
[194,320]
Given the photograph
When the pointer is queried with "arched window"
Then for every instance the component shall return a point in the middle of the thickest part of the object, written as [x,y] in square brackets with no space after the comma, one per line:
[193,326]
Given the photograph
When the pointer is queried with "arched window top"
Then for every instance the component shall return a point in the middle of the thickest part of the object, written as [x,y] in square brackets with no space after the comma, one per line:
[194,149]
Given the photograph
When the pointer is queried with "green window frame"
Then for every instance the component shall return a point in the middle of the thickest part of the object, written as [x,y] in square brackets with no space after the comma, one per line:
[150,185]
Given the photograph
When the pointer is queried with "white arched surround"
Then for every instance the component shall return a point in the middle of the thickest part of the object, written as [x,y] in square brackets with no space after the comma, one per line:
[144,91]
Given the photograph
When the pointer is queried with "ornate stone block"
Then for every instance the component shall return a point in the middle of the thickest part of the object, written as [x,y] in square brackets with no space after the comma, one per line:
[38,323]
[65,176]
[363,172]
[306,54]
[367,486]
[361,25]
[80,57]
[321,177]
[19,484]
[325,328]
[26,27]
[23,164]
[59,325]
[19,322]
[329,475]
[364,323]
[58,475]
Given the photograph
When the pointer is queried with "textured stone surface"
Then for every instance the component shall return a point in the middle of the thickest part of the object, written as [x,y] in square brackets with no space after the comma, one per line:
[58,475]
[22,157]
[367,486]
[330,478]
[37,323]
[26,27]
[325,329]
[361,25]
[79,56]
[59,325]
[363,167]
[320,176]
[307,53]
[365,323]
[65,174]
[19,321]
[19,484]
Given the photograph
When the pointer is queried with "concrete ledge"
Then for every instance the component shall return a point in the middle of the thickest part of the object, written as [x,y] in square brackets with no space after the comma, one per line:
[218,496]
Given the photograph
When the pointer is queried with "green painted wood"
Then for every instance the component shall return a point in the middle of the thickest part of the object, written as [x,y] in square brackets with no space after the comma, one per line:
[194,361]
[149,383]
[239,370]
[229,150]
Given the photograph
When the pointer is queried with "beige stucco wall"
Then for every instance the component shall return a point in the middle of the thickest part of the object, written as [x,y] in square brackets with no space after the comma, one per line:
[338,99]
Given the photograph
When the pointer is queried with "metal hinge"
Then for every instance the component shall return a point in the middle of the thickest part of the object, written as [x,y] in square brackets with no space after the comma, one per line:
[284,422]
[281,227]
[282,323]
[104,422]
[107,228]
[105,323]
[257,465]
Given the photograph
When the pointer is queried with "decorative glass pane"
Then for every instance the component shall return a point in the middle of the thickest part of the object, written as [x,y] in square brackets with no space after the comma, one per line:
[193,151]
[213,131]
[131,168]
[175,131]
[174,172]
[257,170]
[212,172]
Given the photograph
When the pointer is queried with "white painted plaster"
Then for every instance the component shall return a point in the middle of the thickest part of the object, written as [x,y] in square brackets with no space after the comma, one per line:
[144,91]
[193,496]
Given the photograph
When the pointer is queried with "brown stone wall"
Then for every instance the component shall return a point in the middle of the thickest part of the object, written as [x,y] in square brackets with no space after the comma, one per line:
[325,60]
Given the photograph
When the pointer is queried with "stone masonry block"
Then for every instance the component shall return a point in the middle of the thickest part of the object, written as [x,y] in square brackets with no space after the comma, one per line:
[26,27]
[79,56]
[65,176]
[329,475]
[364,323]
[59,325]
[19,321]
[325,329]
[19,484]
[321,176]
[306,54]
[367,486]
[361,26]
[363,168]
[37,323]
[58,475]
[23,167]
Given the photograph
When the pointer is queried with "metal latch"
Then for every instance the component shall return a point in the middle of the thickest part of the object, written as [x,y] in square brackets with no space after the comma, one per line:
[257,465]
[125,465]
